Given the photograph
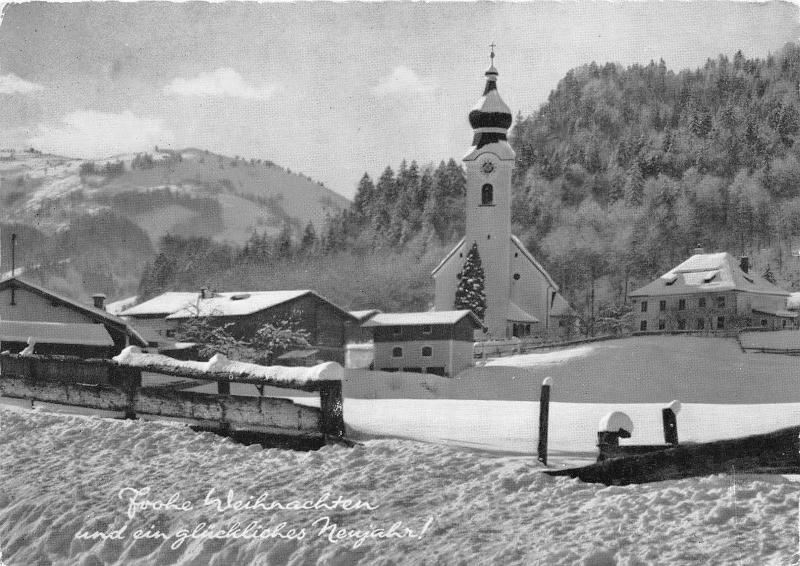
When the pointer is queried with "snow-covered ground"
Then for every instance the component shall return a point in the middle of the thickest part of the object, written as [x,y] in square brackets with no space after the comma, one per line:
[66,477]
[451,459]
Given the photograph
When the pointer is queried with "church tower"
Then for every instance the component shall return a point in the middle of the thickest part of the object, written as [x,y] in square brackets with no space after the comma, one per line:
[489,164]
[521,298]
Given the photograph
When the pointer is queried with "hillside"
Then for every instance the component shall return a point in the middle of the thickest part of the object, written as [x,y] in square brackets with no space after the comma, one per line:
[108,216]
[46,191]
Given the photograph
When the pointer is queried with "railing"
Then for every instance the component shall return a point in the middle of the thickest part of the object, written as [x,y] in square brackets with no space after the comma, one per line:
[111,386]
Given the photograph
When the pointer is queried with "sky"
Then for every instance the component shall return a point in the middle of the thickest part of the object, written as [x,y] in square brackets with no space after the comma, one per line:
[332,90]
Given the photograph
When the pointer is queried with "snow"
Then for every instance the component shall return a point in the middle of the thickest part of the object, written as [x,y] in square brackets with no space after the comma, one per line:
[537,359]
[616,421]
[133,356]
[67,475]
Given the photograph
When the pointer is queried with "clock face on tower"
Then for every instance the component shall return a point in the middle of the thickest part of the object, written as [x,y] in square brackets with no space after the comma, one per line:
[487,167]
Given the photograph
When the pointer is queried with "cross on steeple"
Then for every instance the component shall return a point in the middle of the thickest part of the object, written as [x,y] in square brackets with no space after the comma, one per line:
[492,45]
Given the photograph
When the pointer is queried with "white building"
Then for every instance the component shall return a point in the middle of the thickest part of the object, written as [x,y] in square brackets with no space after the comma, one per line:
[520,295]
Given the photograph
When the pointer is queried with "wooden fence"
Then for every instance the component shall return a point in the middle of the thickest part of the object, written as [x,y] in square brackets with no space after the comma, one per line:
[109,386]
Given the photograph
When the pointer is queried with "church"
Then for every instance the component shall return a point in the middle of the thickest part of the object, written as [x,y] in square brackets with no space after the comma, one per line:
[521,297]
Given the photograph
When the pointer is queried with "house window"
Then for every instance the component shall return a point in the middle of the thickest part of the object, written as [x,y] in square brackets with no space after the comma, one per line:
[662,324]
[701,302]
[487,194]
[701,324]
[528,329]
[720,322]
[397,331]
[763,322]
[681,324]
[643,326]
[427,351]
[681,304]
[662,305]
[427,329]
[784,323]
[397,352]
[721,302]
[644,306]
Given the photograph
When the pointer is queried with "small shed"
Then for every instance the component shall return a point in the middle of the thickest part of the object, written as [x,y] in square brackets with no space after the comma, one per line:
[57,338]
[438,342]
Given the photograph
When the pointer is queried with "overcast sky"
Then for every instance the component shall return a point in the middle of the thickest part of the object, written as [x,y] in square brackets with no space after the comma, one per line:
[331,90]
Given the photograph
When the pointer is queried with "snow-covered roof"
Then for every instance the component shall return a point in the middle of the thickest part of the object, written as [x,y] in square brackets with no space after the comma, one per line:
[418,318]
[96,314]
[775,312]
[118,306]
[516,314]
[178,305]
[793,302]
[72,333]
[708,273]
[364,314]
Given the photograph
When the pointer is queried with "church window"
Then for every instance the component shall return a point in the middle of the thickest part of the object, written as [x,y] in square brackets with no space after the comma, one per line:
[516,277]
[487,194]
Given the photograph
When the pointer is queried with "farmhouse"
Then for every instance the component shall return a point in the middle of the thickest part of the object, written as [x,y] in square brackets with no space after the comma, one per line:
[711,292]
[438,342]
[327,324]
[22,301]
[521,297]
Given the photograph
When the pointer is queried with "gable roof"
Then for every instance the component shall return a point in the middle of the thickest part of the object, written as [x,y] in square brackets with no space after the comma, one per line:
[708,273]
[181,305]
[98,315]
[363,315]
[420,318]
[518,244]
[516,314]
[81,334]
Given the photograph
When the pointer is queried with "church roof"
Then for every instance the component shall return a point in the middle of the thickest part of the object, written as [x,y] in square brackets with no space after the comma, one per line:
[704,273]
[490,117]
[519,245]
[420,318]
[516,314]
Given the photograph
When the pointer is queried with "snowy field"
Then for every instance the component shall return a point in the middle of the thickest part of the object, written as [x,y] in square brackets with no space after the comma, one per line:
[67,477]
[451,460]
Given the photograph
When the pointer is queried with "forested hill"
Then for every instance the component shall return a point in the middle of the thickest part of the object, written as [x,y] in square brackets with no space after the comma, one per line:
[623,171]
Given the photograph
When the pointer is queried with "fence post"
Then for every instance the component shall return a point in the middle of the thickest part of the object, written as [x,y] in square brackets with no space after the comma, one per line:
[331,404]
[544,415]
[670,420]
[612,427]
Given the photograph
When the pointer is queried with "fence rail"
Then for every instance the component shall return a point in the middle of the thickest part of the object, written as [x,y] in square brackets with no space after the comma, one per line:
[108,385]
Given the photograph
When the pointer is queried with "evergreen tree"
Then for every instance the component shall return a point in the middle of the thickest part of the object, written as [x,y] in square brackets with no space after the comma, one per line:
[470,293]
[309,240]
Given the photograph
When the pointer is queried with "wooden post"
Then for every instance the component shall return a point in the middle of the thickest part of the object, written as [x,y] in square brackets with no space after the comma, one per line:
[544,414]
[129,379]
[331,403]
[670,420]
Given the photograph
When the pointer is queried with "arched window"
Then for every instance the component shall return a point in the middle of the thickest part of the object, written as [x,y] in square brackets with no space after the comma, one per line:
[397,352]
[487,194]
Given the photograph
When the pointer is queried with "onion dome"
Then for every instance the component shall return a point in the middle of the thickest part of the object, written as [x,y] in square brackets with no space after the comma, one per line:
[490,117]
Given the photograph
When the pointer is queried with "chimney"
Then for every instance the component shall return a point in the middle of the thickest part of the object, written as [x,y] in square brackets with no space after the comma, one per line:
[744,263]
[99,301]
[699,249]
[203,292]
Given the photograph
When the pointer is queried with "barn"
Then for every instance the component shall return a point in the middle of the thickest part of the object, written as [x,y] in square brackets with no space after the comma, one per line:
[22,301]
[327,324]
